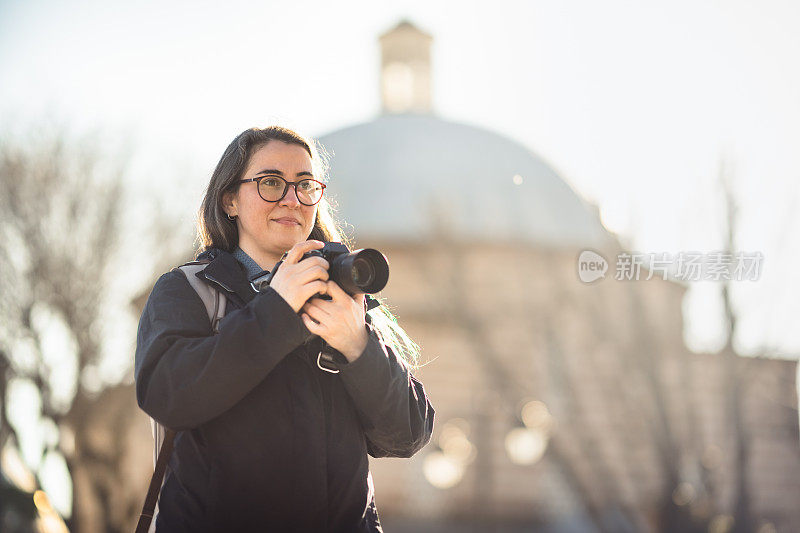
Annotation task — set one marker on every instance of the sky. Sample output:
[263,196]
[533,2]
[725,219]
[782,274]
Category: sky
[636,104]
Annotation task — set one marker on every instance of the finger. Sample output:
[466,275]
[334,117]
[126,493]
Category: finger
[311,274]
[336,292]
[358,299]
[315,287]
[317,312]
[296,252]
[299,249]
[314,320]
[310,262]
[323,303]
[312,326]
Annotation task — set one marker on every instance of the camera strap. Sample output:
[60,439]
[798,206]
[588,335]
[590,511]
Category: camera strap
[371,302]
[329,359]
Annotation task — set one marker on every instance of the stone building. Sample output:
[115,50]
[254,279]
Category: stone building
[560,404]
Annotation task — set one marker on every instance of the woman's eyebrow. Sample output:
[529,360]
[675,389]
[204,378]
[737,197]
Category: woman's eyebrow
[280,173]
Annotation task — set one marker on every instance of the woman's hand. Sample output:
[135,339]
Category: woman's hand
[297,281]
[339,321]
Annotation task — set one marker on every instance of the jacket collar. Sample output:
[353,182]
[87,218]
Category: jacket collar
[227,273]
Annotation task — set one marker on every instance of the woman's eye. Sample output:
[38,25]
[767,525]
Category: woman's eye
[307,186]
[270,182]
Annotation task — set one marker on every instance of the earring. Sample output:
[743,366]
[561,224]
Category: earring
[231,218]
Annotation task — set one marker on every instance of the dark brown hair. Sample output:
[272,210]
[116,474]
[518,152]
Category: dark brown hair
[214,229]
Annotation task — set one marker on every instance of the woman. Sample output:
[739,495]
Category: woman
[267,440]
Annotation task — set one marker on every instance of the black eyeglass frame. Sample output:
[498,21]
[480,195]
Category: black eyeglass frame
[286,185]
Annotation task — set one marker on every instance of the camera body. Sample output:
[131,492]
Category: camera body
[328,252]
[365,270]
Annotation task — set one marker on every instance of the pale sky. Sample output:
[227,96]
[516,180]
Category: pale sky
[634,103]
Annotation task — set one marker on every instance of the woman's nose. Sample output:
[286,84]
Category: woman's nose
[290,198]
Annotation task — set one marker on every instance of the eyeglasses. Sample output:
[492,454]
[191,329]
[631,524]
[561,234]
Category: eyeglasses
[274,189]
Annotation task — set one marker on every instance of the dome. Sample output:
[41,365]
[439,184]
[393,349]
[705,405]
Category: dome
[410,177]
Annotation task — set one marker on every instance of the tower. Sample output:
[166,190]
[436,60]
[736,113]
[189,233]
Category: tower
[405,70]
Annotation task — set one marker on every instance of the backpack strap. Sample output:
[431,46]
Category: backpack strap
[215,302]
[153,491]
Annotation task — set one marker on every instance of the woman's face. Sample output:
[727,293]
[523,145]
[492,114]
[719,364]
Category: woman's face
[268,229]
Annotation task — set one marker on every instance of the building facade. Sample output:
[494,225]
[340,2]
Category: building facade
[560,404]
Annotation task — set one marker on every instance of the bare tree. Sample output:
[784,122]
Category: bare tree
[644,355]
[569,441]
[61,212]
[743,516]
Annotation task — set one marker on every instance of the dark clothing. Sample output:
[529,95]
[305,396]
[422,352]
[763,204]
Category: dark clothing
[269,442]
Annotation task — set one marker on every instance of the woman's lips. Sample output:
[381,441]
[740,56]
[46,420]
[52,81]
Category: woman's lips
[285,221]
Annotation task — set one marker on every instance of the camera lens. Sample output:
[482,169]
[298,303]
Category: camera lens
[362,272]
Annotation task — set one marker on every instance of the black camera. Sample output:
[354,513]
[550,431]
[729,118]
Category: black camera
[365,270]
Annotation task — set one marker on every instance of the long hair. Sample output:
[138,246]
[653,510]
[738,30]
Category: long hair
[215,230]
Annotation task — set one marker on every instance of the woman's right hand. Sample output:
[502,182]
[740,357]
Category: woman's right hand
[297,281]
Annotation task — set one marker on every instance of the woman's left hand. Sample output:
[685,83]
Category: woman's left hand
[339,321]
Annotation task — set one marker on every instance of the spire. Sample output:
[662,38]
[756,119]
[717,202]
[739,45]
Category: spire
[406,69]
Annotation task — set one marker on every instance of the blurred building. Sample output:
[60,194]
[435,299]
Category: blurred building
[560,405]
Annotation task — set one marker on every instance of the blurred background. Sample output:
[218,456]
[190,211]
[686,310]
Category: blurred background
[481,147]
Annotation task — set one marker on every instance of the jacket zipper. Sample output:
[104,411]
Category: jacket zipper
[218,282]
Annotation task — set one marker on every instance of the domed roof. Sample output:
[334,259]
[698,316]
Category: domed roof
[410,177]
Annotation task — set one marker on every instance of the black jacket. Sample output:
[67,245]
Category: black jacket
[270,442]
